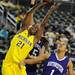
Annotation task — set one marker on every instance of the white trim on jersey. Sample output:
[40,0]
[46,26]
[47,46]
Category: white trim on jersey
[60,59]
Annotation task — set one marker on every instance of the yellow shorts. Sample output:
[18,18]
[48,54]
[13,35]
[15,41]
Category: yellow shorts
[13,69]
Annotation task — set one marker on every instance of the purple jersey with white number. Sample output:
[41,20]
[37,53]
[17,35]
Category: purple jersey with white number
[54,66]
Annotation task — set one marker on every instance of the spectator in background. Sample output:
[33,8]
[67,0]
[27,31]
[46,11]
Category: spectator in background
[51,37]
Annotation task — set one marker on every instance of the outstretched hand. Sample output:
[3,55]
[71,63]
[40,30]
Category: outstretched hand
[21,63]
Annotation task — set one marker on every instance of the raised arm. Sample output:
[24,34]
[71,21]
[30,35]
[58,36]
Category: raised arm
[36,7]
[28,19]
[50,11]
[44,21]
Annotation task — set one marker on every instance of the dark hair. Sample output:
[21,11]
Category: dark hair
[44,42]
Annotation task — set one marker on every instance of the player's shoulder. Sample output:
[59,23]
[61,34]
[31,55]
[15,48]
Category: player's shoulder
[25,32]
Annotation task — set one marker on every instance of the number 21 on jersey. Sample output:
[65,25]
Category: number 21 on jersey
[20,44]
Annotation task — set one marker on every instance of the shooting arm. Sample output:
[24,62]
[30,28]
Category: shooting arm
[36,7]
[50,11]
[42,24]
[28,19]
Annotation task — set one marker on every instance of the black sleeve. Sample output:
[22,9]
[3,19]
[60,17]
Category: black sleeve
[35,50]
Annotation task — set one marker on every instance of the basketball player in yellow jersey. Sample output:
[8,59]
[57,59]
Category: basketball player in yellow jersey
[21,45]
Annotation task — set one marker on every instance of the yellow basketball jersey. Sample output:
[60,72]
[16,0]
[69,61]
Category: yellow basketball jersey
[20,46]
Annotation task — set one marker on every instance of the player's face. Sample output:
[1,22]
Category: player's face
[33,30]
[62,45]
